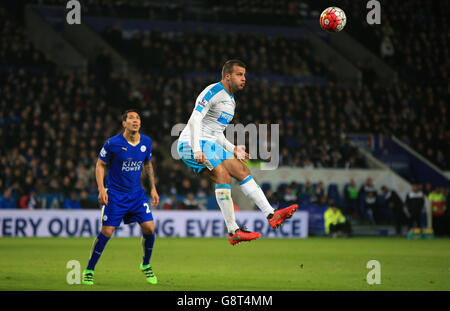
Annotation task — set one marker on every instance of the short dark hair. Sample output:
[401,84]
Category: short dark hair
[228,66]
[125,113]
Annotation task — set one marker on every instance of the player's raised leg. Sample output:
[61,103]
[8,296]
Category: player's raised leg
[222,179]
[96,251]
[253,191]
[148,240]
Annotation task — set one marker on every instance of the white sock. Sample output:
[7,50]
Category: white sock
[254,192]
[223,197]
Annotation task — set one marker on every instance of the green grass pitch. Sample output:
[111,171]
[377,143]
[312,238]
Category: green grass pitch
[205,264]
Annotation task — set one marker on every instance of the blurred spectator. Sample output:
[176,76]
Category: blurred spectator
[351,198]
[171,203]
[415,203]
[325,201]
[308,191]
[427,189]
[87,203]
[190,203]
[350,163]
[308,164]
[72,202]
[294,189]
[371,208]
[335,222]
[6,200]
[103,66]
[204,188]
[367,188]
[394,204]
[185,187]
[29,201]
[447,211]
[319,192]
[387,48]
[438,210]
[271,197]
[289,196]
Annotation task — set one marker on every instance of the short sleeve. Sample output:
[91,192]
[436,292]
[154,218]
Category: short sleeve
[105,153]
[202,105]
[204,102]
[148,157]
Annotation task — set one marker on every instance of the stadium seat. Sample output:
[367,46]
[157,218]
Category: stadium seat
[266,186]
[333,193]
[305,199]
[333,188]
[281,187]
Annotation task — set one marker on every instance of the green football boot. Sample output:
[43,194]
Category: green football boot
[88,277]
[147,270]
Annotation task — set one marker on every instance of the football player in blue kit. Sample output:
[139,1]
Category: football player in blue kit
[122,197]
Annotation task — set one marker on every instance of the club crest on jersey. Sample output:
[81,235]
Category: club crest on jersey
[103,153]
[143,148]
[225,118]
[202,103]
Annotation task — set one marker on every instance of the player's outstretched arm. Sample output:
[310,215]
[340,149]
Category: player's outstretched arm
[100,172]
[225,143]
[238,151]
[194,124]
[148,167]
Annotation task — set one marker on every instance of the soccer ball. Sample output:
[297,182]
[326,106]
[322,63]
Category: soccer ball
[333,19]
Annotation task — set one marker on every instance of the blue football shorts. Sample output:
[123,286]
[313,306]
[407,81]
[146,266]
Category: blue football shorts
[129,207]
[214,153]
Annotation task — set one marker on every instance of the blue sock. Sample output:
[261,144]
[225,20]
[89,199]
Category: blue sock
[97,249]
[147,246]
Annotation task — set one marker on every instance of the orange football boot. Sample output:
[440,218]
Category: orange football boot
[279,216]
[242,235]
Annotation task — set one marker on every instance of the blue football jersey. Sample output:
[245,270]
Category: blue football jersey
[126,162]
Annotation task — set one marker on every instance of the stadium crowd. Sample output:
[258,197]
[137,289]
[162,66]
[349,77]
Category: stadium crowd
[368,204]
[54,124]
[413,114]
[144,9]
[422,64]
[16,50]
[273,12]
[201,51]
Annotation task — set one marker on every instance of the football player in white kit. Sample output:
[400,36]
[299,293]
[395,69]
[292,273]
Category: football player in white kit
[203,147]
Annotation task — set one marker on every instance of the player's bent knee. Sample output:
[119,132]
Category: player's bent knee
[245,171]
[108,231]
[237,169]
[148,231]
[220,175]
[148,227]
[224,178]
